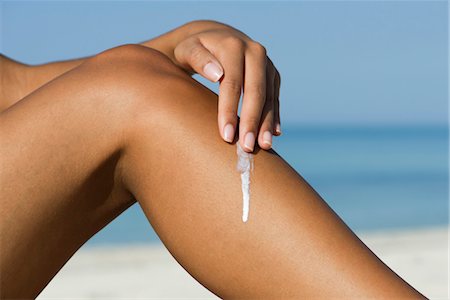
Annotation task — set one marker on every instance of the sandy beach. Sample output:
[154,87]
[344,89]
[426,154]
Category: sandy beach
[148,271]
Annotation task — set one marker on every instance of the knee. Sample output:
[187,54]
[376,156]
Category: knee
[134,76]
[133,60]
[147,92]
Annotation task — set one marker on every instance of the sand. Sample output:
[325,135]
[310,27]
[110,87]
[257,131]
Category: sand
[148,271]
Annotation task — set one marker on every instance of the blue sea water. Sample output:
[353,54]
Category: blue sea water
[374,178]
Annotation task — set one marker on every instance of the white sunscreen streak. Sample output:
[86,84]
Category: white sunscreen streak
[244,166]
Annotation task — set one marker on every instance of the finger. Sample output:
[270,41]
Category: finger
[230,90]
[277,120]
[193,55]
[275,91]
[267,119]
[254,95]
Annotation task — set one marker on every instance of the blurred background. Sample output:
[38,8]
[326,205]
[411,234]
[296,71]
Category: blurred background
[363,99]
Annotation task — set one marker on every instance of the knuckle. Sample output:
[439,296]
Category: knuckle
[196,54]
[257,48]
[228,112]
[233,86]
[234,43]
[250,122]
[256,92]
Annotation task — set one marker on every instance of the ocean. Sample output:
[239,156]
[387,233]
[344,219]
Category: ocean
[374,177]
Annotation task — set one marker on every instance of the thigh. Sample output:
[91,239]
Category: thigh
[61,150]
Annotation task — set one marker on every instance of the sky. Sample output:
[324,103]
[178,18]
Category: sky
[341,62]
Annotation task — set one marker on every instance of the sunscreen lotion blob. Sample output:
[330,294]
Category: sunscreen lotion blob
[244,166]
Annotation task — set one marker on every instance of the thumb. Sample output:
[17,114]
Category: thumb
[193,55]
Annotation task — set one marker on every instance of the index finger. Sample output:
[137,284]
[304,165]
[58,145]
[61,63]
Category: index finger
[230,92]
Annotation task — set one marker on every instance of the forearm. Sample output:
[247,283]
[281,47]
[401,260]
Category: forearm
[165,43]
[28,78]
[38,75]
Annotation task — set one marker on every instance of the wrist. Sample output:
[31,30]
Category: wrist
[167,42]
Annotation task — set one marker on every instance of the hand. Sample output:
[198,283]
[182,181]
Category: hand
[222,53]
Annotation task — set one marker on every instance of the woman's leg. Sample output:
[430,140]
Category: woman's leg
[60,178]
[129,124]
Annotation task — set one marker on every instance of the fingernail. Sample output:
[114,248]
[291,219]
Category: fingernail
[249,141]
[228,133]
[278,129]
[212,71]
[267,138]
